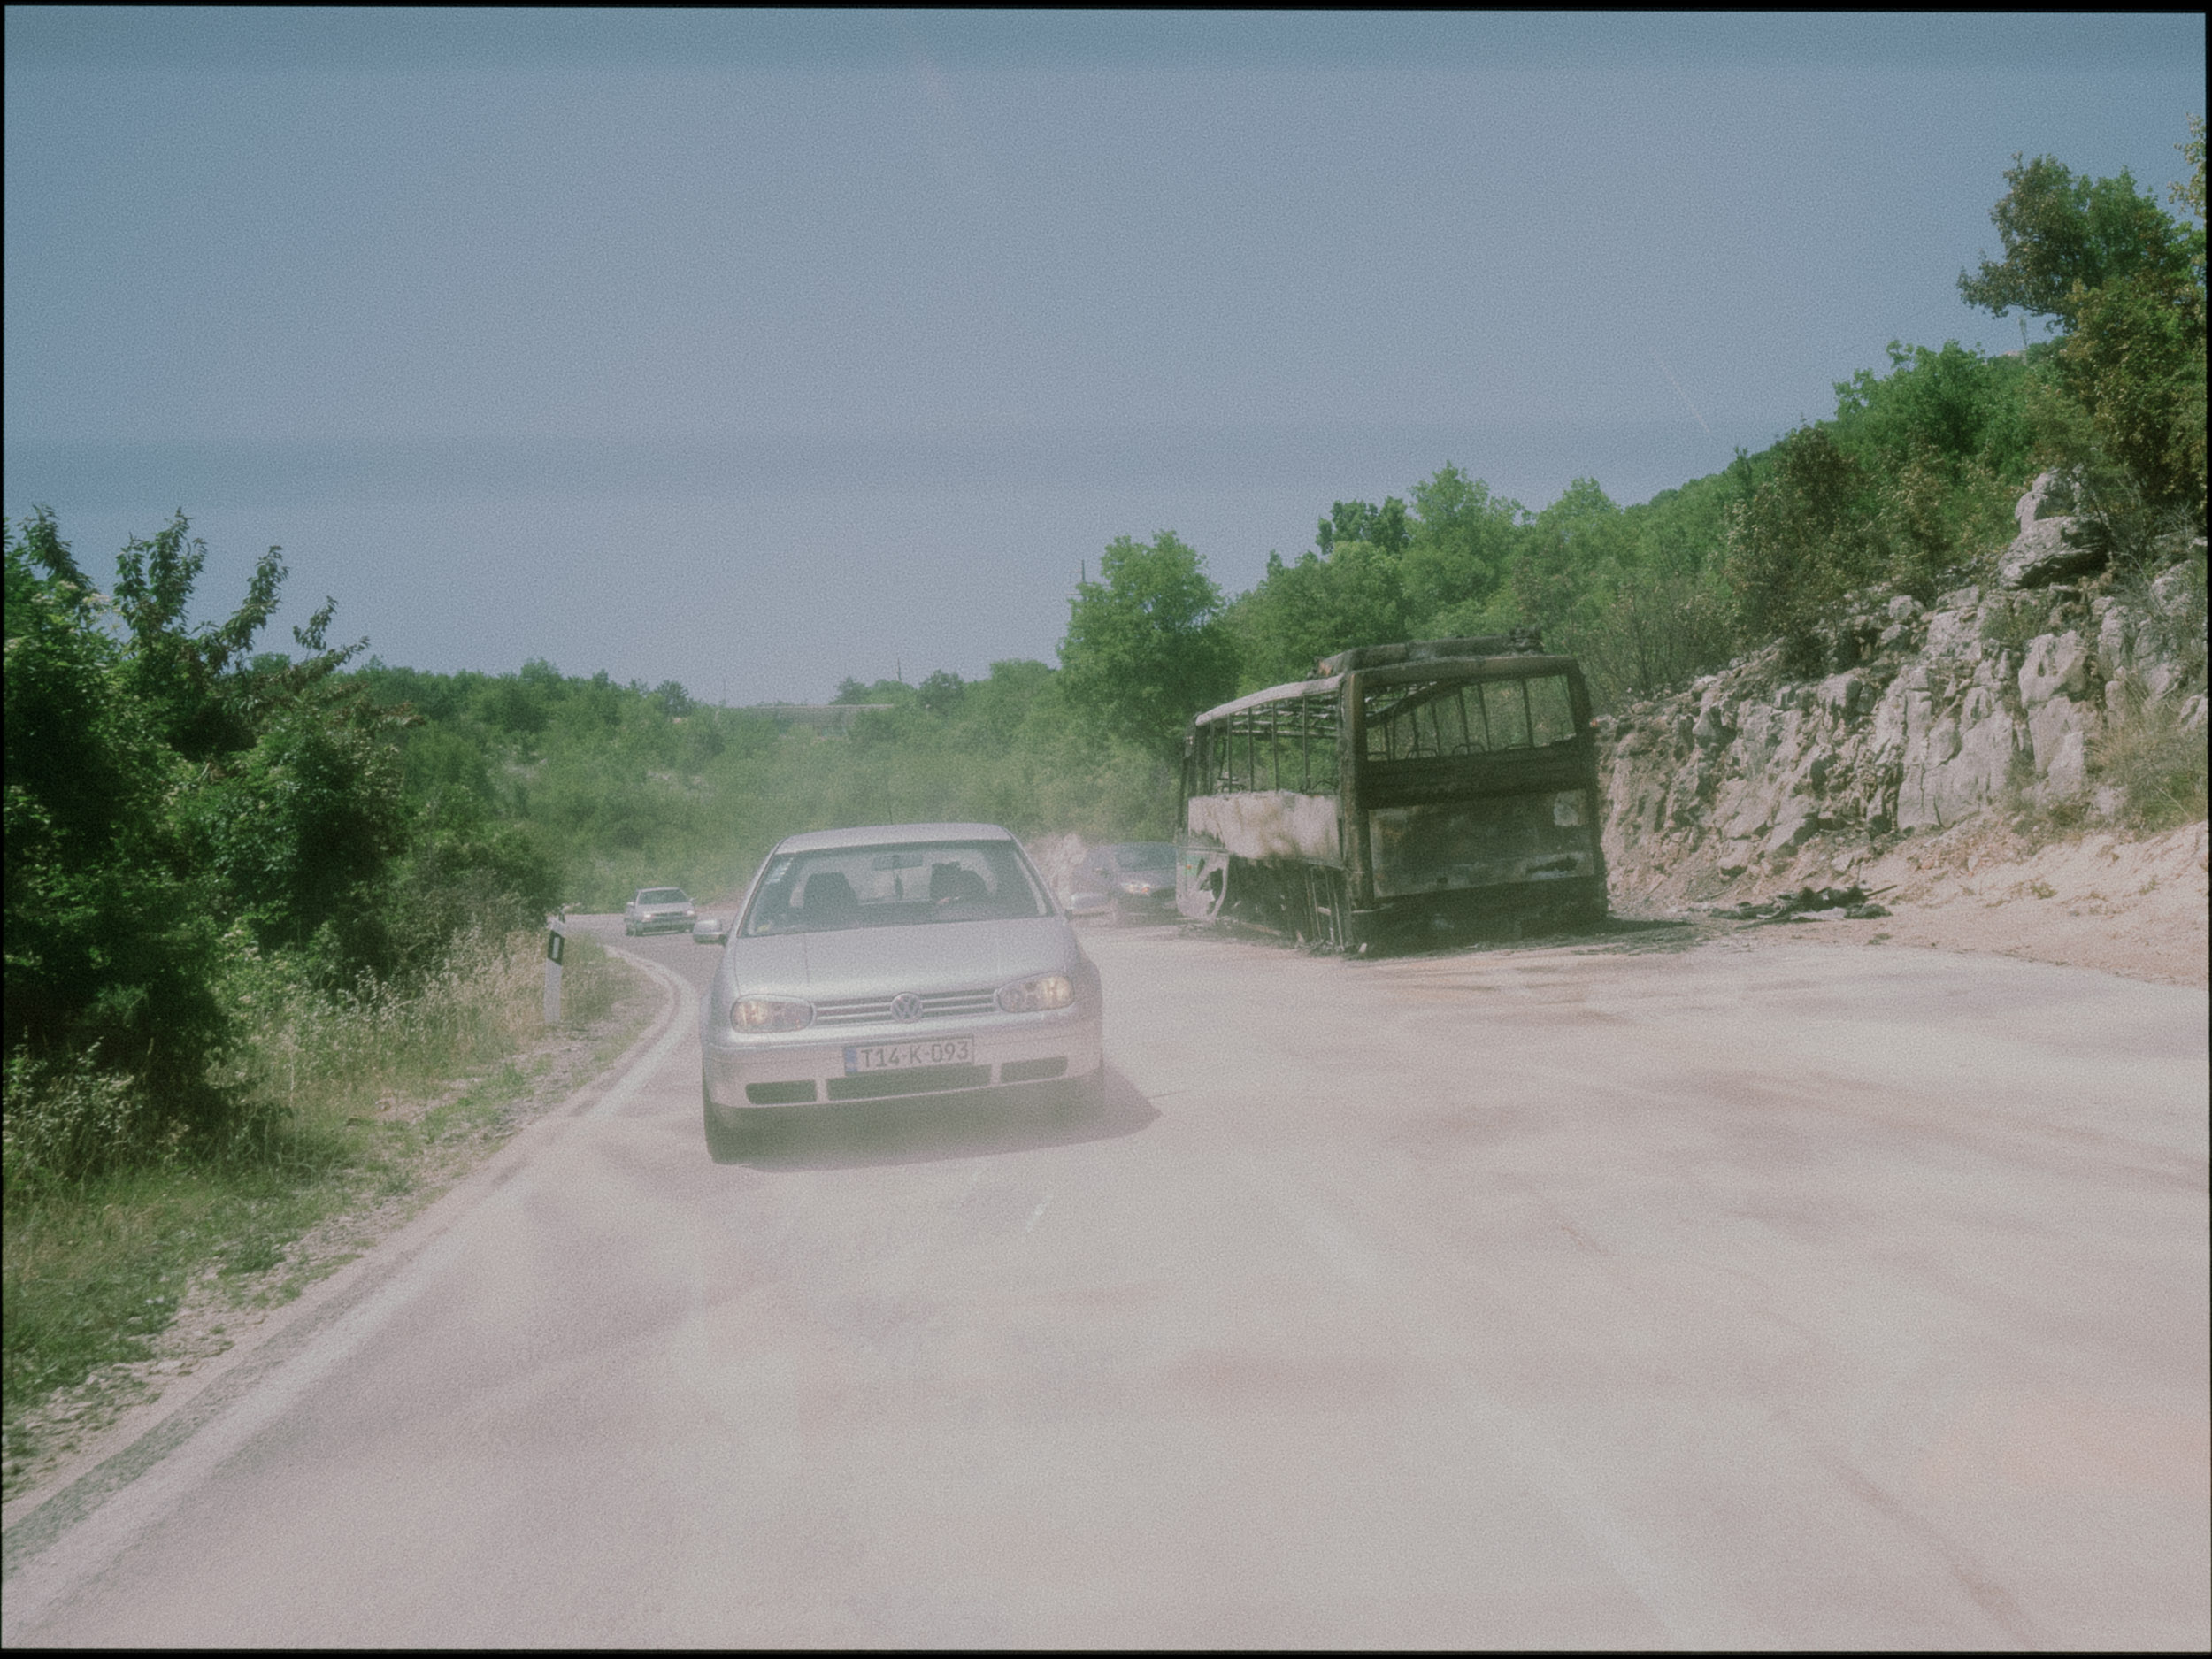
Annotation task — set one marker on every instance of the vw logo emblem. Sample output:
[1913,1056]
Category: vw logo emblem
[906,1006]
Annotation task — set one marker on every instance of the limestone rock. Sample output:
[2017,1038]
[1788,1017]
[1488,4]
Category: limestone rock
[1843,695]
[2056,664]
[1960,763]
[1886,742]
[1714,725]
[2029,507]
[1749,770]
[2043,553]
[2059,732]
[2171,590]
[1955,630]
[2115,635]
[1791,832]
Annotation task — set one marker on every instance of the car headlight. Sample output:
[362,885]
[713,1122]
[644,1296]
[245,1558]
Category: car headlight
[752,1014]
[1033,997]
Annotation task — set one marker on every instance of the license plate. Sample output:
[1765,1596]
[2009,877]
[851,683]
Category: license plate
[898,1056]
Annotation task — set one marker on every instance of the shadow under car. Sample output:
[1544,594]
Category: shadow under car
[926,1128]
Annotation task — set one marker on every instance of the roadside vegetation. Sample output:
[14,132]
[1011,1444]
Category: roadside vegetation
[230,935]
[252,893]
[374,1096]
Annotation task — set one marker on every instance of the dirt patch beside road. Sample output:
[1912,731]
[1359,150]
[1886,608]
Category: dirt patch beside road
[2134,908]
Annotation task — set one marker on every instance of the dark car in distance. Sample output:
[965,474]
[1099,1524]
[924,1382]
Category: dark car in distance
[1131,881]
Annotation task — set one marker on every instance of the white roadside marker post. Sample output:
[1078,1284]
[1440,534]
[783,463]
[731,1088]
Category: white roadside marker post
[555,938]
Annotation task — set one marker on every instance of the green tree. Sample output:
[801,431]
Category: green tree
[1799,543]
[166,783]
[1384,526]
[2066,237]
[1464,542]
[2126,283]
[1965,410]
[1289,619]
[184,677]
[1568,545]
[1146,645]
[302,832]
[941,693]
[113,951]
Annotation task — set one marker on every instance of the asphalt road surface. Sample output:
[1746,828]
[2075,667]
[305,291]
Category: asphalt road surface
[1605,1294]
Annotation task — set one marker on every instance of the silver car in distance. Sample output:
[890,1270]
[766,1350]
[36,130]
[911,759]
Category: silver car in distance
[899,961]
[658,910]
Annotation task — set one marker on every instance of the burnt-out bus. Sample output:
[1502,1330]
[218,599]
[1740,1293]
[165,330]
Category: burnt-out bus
[1438,784]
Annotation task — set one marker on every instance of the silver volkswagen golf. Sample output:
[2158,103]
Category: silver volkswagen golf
[903,960]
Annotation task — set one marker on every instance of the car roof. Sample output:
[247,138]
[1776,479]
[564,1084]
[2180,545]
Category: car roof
[891,835]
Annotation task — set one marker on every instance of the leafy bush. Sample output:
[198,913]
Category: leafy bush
[112,950]
[1798,545]
[174,798]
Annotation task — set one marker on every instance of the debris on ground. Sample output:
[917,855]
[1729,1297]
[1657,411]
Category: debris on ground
[1806,904]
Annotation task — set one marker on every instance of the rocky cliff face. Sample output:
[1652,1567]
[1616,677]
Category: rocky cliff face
[1992,700]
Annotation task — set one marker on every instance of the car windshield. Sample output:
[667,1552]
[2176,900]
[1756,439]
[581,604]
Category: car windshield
[1144,856]
[663,896]
[893,887]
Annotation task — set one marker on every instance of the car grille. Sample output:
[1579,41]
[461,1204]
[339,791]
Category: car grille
[874,1010]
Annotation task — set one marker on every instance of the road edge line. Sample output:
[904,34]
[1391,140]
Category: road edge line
[230,1384]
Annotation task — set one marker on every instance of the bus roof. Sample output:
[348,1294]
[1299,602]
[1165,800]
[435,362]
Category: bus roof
[1398,670]
[1519,643]
[1273,693]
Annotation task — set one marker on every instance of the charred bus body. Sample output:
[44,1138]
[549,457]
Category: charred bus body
[1440,782]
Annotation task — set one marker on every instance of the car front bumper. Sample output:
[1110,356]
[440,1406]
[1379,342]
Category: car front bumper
[819,1068]
[1159,902]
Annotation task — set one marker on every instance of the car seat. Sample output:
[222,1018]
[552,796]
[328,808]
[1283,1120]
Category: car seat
[955,884]
[828,901]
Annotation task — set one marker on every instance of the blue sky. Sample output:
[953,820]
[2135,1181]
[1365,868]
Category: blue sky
[756,350]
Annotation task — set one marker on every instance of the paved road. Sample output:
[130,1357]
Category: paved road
[1778,1295]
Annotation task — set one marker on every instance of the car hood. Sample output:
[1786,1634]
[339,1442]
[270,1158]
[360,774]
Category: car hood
[878,961]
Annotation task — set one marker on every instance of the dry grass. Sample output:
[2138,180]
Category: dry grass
[320,1060]
[2155,761]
